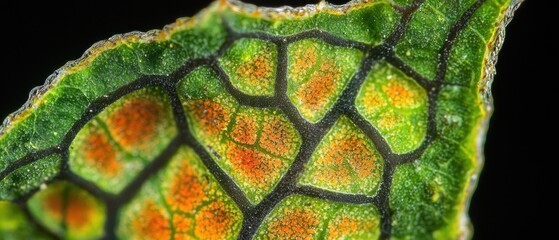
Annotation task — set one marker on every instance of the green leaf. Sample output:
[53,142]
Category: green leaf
[357,121]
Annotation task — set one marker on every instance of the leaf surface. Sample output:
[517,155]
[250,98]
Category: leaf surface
[363,120]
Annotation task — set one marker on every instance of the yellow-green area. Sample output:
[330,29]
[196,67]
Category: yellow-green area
[345,161]
[317,75]
[184,201]
[251,65]
[113,147]
[396,105]
[15,225]
[254,146]
[68,211]
[299,217]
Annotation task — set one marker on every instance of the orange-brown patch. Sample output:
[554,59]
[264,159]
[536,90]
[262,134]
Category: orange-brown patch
[182,236]
[212,115]
[277,136]
[150,223]
[359,156]
[54,204]
[257,70]
[352,149]
[76,209]
[79,210]
[294,224]
[400,95]
[373,100]
[136,121]
[389,120]
[321,86]
[244,130]
[214,221]
[305,58]
[187,191]
[181,223]
[337,176]
[346,225]
[100,154]
[257,167]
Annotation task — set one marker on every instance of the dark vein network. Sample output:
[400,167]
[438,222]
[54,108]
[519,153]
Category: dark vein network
[311,133]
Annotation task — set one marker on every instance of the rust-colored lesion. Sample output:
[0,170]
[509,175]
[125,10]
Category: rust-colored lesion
[151,223]
[372,99]
[100,154]
[400,95]
[54,204]
[347,225]
[342,227]
[79,211]
[212,115]
[352,149]
[278,136]
[187,190]
[322,84]
[389,120]
[294,224]
[305,58]
[258,70]
[257,167]
[70,207]
[136,121]
[182,224]
[214,221]
[179,236]
[361,158]
[245,129]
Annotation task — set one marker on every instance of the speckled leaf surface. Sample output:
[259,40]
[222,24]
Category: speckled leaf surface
[359,121]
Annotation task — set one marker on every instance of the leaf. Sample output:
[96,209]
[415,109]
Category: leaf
[363,120]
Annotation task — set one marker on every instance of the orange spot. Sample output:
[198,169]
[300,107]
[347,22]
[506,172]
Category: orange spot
[294,224]
[212,115]
[400,95]
[305,59]
[277,136]
[320,87]
[372,100]
[214,221]
[346,225]
[359,156]
[136,121]
[389,120]
[187,192]
[79,210]
[76,209]
[181,223]
[257,70]
[100,154]
[54,204]
[150,223]
[257,167]
[244,130]
[182,236]
[350,148]
[336,176]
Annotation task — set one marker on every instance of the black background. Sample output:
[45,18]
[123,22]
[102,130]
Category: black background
[510,199]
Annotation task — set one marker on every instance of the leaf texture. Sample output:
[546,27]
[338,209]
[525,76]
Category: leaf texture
[358,121]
